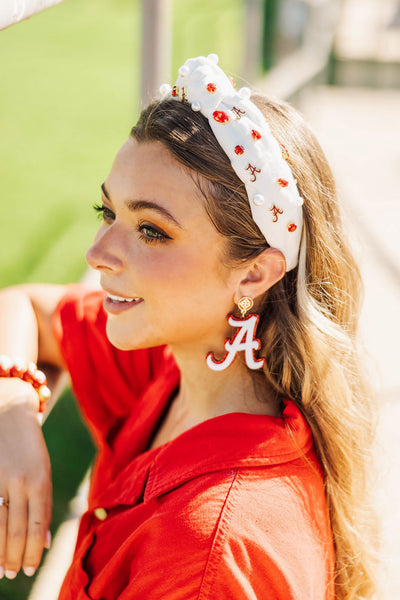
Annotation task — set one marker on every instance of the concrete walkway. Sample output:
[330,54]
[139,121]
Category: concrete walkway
[359,130]
[367,30]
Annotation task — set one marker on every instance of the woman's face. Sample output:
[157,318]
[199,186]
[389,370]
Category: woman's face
[158,249]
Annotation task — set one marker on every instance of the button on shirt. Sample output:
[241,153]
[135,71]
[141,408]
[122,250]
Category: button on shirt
[233,508]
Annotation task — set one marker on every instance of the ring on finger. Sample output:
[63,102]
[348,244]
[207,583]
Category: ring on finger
[4,502]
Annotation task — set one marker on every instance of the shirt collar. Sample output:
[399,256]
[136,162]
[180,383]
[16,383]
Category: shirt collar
[229,441]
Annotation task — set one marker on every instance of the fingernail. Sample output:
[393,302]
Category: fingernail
[11,574]
[1,572]
[48,540]
[29,571]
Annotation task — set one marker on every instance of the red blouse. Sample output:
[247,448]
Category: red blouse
[233,508]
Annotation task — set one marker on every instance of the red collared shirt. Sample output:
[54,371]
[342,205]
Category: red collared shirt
[233,508]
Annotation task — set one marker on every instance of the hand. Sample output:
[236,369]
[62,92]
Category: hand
[25,480]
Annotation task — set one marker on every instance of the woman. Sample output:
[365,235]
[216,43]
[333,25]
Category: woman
[232,446]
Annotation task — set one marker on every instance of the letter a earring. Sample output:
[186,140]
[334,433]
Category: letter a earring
[244,339]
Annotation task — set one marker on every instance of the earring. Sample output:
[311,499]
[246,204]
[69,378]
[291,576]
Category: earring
[244,339]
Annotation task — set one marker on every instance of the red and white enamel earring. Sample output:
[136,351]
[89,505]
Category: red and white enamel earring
[244,339]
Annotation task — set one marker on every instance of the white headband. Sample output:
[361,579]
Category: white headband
[256,157]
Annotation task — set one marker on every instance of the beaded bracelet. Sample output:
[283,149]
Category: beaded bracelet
[29,373]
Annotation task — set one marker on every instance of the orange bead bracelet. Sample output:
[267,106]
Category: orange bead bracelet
[27,372]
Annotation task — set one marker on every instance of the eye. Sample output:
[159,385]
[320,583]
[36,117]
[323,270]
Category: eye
[150,234]
[104,212]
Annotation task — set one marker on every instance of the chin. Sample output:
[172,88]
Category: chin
[122,345]
[122,339]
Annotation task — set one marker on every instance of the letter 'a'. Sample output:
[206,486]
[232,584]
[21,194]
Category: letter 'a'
[243,340]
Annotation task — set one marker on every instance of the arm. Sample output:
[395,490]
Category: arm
[26,314]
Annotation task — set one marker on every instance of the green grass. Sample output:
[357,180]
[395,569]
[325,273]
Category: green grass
[69,82]
[69,94]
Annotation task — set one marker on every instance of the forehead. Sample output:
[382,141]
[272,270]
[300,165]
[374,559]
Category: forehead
[148,170]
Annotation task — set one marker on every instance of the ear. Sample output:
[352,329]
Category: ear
[264,271]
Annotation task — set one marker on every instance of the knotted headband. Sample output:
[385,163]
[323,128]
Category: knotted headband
[256,156]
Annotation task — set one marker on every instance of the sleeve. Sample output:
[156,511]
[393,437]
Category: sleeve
[107,382]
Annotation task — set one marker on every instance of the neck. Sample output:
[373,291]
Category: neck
[205,393]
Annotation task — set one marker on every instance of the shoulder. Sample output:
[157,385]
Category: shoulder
[273,538]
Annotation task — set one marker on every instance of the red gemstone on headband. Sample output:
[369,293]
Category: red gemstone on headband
[239,150]
[175,90]
[283,183]
[256,134]
[291,227]
[220,116]
[211,87]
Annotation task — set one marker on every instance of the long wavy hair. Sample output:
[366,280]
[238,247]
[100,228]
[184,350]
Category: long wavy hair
[308,320]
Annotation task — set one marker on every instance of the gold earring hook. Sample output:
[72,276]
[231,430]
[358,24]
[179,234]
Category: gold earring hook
[245,304]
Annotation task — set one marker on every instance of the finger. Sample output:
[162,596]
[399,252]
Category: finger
[3,535]
[38,526]
[16,529]
[48,540]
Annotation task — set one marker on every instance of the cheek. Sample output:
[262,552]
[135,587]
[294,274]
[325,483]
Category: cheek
[190,289]
[171,269]
[187,274]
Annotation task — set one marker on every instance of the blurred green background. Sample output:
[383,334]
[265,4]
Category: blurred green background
[69,95]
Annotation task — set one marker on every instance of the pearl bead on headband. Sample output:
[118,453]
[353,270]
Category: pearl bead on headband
[256,156]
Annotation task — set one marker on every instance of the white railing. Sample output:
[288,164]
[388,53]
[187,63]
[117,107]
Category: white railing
[14,11]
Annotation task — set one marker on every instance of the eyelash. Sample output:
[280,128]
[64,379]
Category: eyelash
[103,212]
[108,216]
[151,239]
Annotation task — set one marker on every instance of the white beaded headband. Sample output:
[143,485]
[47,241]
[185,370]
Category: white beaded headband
[256,156]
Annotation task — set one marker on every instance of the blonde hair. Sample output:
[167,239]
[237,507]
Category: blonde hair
[308,320]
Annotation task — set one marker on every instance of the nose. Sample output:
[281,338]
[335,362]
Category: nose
[102,256]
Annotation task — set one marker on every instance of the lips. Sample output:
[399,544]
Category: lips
[115,304]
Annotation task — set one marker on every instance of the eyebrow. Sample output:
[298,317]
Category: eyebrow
[136,205]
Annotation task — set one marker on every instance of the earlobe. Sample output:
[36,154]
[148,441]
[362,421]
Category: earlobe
[267,269]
